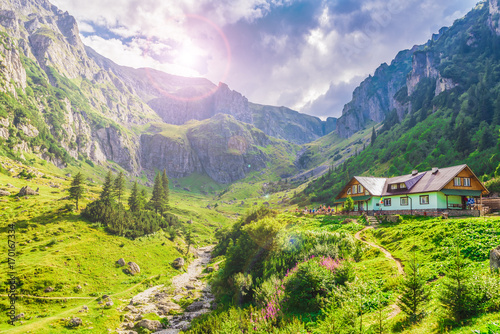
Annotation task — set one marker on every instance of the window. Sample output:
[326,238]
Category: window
[404,201]
[402,185]
[354,189]
[394,186]
[466,181]
[360,189]
[349,191]
[387,202]
[457,182]
[367,193]
[424,199]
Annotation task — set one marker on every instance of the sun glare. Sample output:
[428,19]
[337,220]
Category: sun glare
[189,56]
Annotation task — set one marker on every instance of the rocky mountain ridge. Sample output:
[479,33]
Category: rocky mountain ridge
[83,106]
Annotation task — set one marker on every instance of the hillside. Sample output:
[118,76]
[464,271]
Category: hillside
[65,103]
[451,110]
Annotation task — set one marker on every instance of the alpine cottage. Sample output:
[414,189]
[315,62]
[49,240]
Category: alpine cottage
[452,190]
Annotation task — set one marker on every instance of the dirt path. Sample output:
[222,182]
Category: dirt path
[382,249]
[395,308]
[165,300]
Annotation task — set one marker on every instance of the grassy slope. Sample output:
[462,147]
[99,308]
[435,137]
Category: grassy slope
[57,248]
[431,238]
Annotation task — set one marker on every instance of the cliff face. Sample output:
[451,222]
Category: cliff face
[178,100]
[375,97]
[94,109]
[223,148]
[287,124]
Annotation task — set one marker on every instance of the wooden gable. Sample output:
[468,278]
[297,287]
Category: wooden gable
[348,190]
[475,184]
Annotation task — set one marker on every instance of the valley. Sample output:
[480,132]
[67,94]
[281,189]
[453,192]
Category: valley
[144,202]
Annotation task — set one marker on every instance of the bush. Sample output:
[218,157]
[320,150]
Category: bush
[307,288]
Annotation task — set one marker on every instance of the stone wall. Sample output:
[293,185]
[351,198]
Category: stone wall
[431,213]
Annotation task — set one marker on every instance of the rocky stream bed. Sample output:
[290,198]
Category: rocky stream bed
[164,301]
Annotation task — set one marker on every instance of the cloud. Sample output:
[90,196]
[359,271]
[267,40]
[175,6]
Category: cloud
[304,54]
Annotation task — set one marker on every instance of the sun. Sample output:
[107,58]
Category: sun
[189,55]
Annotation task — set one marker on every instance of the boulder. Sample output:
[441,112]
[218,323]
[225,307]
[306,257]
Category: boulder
[4,193]
[133,268]
[196,306]
[495,259]
[121,262]
[152,325]
[178,263]
[48,289]
[75,322]
[27,191]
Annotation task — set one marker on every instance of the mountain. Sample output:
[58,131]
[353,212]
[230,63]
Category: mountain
[64,102]
[445,112]
[178,100]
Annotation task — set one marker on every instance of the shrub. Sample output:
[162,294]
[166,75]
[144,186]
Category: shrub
[306,289]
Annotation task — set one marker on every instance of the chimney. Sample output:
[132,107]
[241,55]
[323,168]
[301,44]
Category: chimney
[435,170]
[414,172]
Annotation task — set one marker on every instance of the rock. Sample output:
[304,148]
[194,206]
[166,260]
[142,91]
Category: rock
[68,175]
[48,289]
[190,287]
[152,325]
[121,262]
[79,287]
[10,185]
[27,191]
[109,304]
[495,259]
[133,268]
[210,269]
[178,263]
[75,322]
[105,296]
[85,307]
[196,306]
[19,316]
[4,193]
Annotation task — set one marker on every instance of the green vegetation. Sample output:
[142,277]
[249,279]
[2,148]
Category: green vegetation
[297,277]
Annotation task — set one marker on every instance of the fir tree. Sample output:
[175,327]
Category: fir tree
[77,188]
[413,291]
[455,296]
[134,201]
[143,199]
[463,140]
[119,185]
[158,195]
[107,189]
[374,136]
[164,182]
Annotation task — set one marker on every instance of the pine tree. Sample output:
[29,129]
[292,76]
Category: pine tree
[107,189]
[164,182]
[77,188]
[158,195]
[454,297]
[463,140]
[413,291]
[374,136]
[134,199]
[119,186]
[143,199]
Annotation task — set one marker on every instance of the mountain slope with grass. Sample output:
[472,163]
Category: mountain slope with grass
[452,110]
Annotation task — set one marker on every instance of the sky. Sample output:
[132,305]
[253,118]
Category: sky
[307,55]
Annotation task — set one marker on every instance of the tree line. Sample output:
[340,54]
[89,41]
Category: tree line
[146,214]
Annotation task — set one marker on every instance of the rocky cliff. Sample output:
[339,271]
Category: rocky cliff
[222,147]
[384,92]
[62,101]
